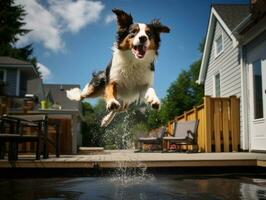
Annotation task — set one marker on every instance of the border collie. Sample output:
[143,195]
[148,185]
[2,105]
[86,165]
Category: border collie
[129,76]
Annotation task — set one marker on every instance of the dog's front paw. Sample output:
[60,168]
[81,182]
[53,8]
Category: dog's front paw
[155,103]
[152,99]
[112,104]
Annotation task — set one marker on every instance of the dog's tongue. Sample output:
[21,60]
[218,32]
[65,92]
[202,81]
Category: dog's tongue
[140,51]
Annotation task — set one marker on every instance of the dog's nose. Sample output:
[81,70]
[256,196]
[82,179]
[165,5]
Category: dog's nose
[142,39]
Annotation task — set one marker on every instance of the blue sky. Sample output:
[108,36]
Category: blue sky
[73,39]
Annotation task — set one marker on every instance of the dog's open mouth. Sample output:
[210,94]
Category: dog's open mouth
[139,51]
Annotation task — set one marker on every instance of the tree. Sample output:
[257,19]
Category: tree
[11,28]
[184,93]
[92,133]
[155,118]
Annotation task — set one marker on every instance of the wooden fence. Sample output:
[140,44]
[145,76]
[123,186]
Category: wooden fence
[219,124]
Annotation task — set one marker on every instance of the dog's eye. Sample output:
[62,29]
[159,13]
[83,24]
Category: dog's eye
[133,33]
[148,33]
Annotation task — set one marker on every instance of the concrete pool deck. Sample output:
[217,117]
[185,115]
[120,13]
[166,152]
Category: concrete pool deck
[128,158]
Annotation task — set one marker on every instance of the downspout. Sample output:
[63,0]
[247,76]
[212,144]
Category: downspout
[242,24]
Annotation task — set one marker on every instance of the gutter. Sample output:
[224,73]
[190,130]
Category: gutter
[246,21]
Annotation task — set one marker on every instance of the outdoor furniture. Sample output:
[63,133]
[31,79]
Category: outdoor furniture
[12,133]
[155,137]
[185,133]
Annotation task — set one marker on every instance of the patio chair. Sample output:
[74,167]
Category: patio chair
[12,133]
[185,133]
[155,137]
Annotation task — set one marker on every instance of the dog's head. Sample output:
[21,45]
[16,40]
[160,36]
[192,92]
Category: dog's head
[138,37]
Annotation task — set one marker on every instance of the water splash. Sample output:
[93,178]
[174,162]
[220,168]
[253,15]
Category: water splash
[131,171]
[118,134]
[127,176]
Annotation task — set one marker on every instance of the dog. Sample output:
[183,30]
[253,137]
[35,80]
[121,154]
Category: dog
[128,78]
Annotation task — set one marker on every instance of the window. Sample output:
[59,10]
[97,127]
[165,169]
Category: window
[217,85]
[257,84]
[2,75]
[219,46]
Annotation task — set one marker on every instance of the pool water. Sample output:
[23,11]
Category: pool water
[134,187]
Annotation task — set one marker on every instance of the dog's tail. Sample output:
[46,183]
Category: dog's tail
[74,94]
[108,118]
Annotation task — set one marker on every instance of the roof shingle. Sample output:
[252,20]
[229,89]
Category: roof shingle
[5,60]
[58,92]
[232,14]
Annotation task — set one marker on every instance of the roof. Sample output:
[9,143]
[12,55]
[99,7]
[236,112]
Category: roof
[257,13]
[9,62]
[5,60]
[229,16]
[232,14]
[35,86]
[58,92]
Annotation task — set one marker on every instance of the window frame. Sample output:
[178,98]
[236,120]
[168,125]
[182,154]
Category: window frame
[4,74]
[256,115]
[216,44]
[214,84]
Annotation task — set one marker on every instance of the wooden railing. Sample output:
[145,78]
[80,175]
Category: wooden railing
[219,124]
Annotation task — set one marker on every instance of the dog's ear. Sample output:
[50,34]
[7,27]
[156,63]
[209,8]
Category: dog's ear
[156,24]
[124,20]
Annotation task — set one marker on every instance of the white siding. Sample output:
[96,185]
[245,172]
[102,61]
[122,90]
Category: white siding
[228,65]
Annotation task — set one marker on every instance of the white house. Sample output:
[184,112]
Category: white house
[234,63]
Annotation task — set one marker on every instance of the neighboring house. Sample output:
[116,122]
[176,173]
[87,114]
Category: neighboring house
[15,73]
[234,63]
[21,79]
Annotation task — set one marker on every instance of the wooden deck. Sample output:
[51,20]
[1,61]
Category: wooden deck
[114,159]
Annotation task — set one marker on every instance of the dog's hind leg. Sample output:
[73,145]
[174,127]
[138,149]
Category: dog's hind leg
[108,118]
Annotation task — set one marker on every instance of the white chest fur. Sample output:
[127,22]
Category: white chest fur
[133,76]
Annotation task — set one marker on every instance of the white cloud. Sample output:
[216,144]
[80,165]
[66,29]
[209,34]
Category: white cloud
[110,18]
[44,26]
[45,71]
[76,14]
[49,23]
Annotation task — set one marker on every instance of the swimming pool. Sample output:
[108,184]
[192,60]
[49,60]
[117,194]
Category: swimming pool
[146,186]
